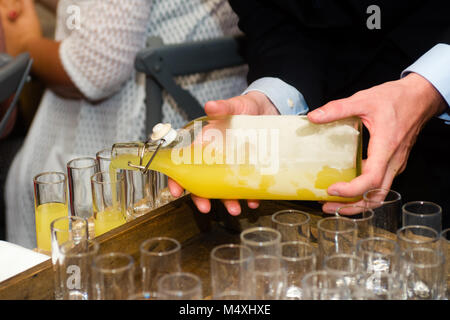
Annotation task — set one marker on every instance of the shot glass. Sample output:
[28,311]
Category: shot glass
[385,285]
[297,259]
[79,173]
[422,213]
[74,273]
[50,203]
[68,228]
[386,205]
[159,256]
[445,247]
[269,278]
[262,240]
[109,201]
[378,254]
[113,276]
[104,159]
[292,224]
[349,267]
[423,269]
[180,286]
[163,195]
[336,235]
[324,285]
[142,192]
[417,237]
[362,216]
[232,269]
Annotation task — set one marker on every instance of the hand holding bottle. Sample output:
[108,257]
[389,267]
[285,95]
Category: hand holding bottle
[252,103]
[394,113]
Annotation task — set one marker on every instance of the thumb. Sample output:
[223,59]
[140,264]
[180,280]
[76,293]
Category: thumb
[336,110]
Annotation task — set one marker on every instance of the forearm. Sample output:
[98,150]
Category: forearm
[49,4]
[48,68]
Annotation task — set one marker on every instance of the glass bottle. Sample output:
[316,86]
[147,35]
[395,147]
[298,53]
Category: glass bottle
[251,157]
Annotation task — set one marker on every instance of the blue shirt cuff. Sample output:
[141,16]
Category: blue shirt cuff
[287,99]
[434,66]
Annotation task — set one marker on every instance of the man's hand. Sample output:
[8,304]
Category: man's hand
[25,27]
[394,113]
[252,103]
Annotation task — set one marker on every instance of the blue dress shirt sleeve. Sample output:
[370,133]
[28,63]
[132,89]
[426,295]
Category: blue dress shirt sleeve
[287,99]
[434,66]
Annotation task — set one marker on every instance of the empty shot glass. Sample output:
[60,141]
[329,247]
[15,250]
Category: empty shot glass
[417,237]
[386,205]
[142,192]
[180,286]
[292,224]
[423,269]
[113,276]
[422,213]
[79,173]
[378,254]
[336,235]
[385,285]
[159,256]
[74,269]
[232,269]
[262,240]
[104,159]
[64,229]
[324,285]
[269,278]
[349,266]
[297,259]
[362,216]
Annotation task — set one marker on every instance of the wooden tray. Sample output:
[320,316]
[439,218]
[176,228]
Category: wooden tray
[198,233]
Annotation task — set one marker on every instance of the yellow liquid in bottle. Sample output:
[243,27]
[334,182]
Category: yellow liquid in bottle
[45,214]
[304,181]
[107,220]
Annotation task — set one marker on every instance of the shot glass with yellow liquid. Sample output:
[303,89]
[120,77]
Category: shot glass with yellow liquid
[50,203]
[109,200]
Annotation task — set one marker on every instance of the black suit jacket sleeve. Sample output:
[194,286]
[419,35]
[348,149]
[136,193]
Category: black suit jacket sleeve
[276,47]
[326,52]
[423,28]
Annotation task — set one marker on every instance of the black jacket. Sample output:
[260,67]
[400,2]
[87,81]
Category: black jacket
[324,47]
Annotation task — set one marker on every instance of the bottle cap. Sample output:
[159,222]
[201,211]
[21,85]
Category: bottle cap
[163,131]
